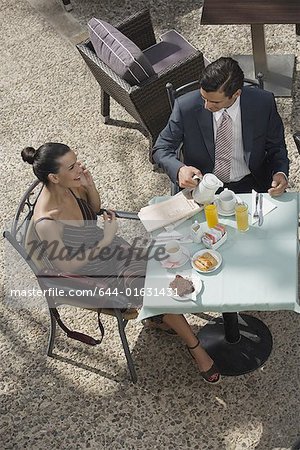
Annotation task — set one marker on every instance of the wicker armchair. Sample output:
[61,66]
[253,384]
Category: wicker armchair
[147,103]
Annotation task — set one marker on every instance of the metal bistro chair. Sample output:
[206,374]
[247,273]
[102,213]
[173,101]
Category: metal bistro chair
[20,234]
[146,102]
[296,137]
[173,94]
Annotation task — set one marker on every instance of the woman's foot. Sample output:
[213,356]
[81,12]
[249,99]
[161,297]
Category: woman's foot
[208,370]
[148,323]
[212,375]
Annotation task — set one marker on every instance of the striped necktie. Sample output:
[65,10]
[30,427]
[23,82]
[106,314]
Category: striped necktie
[223,148]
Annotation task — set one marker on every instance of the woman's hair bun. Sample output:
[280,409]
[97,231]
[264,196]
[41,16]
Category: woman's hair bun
[28,154]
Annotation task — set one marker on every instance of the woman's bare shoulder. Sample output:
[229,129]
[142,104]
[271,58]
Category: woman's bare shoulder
[44,212]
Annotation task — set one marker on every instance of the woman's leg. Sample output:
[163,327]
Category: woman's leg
[179,324]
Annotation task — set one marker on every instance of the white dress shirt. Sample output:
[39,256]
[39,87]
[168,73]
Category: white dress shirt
[238,168]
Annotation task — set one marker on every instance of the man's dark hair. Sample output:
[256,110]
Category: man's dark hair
[224,74]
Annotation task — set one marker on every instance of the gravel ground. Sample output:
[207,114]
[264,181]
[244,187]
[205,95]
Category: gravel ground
[82,398]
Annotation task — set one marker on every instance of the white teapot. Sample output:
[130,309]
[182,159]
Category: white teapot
[206,189]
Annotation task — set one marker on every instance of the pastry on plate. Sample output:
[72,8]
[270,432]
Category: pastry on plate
[205,262]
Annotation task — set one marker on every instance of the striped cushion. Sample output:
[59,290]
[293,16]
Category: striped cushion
[119,53]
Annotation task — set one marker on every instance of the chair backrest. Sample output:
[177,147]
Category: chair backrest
[194,85]
[23,238]
[296,137]
[175,93]
[21,229]
[259,82]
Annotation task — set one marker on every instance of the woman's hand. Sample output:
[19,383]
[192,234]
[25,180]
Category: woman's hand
[110,226]
[89,190]
[85,177]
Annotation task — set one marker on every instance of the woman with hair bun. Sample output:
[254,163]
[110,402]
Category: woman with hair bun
[65,220]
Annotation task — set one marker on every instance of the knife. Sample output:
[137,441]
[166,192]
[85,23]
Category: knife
[260,212]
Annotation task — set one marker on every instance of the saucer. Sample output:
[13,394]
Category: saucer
[175,265]
[226,213]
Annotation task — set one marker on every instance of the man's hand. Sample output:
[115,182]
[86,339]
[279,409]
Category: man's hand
[185,176]
[279,185]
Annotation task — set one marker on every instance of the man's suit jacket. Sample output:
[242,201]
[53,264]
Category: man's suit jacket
[191,124]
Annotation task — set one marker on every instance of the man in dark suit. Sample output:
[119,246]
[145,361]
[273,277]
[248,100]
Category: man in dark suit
[249,152]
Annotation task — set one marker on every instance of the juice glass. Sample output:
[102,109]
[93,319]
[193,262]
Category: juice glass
[211,214]
[241,216]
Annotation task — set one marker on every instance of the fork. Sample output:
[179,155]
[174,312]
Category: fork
[255,214]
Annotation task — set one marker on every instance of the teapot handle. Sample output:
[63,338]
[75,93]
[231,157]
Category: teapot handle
[196,177]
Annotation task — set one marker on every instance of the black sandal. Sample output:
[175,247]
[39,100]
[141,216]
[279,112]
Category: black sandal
[212,375]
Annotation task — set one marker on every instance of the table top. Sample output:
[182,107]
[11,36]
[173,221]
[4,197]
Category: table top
[218,12]
[259,269]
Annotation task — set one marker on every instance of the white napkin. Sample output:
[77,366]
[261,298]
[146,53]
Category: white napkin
[164,237]
[268,205]
[173,225]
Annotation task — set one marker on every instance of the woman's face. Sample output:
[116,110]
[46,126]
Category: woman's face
[69,170]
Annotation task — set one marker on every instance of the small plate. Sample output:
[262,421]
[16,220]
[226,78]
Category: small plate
[215,254]
[175,265]
[196,280]
[226,213]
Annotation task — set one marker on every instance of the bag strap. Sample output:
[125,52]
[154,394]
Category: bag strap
[75,334]
[100,324]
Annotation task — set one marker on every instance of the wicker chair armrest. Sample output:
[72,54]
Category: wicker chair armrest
[100,70]
[139,29]
[196,56]
[155,94]
[104,75]
[177,72]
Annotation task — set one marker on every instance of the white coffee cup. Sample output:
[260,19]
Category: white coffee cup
[227,200]
[174,251]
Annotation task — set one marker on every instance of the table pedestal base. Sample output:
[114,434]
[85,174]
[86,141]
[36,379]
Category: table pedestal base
[250,352]
[279,75]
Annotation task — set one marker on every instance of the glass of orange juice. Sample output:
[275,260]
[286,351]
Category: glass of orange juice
[241,216]
[211,214]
